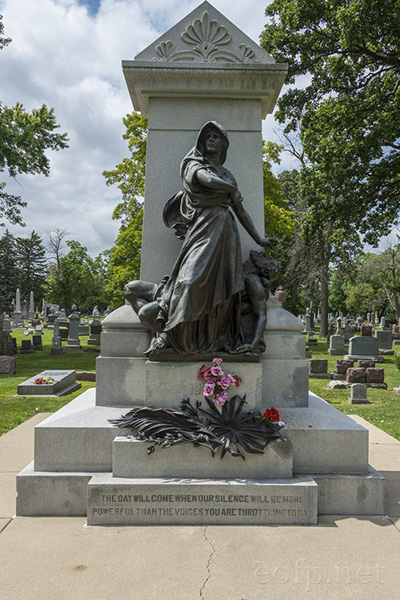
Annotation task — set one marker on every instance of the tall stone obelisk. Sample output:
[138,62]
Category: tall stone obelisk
[17,312]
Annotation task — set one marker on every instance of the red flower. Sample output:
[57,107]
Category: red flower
[271,414]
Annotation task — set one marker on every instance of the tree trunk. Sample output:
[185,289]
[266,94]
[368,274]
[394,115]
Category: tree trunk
[325,255]
[323,332]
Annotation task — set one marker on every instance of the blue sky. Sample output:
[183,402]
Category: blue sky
[92,6]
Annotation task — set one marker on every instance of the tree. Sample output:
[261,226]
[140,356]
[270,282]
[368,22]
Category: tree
[24,139]
[9,279]
[280,221]
[348,116]
[31,264]
[56,246]
[346,119]
[129,176]
[79,280]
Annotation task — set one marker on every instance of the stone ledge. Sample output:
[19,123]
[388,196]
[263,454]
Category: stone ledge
[131,460]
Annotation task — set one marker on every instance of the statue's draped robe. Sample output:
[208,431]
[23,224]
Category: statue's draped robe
[200,306]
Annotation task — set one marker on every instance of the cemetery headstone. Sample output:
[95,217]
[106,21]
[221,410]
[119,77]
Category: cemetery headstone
[84,328]
[341,367]
[17,313]
[56,345]
[31,313]
[336,345]
[366,363]
[49,383]
[356,375]
[95,329]
[6,324]
[364,347]
[385,341]
[358,394]
[37,342]
[338,326]
[307,326]
[375,375]
[8,365]
[51,318]
[26,347]
[366,330]
[318,369]
[73,338]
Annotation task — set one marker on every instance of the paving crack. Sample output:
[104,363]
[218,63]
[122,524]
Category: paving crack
[208,567]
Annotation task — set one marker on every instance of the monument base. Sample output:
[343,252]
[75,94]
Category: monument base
[119,501]
[363,357]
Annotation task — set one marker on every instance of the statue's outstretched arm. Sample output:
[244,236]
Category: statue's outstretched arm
[245,219]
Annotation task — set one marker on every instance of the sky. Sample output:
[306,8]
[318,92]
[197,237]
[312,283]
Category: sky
[67,54]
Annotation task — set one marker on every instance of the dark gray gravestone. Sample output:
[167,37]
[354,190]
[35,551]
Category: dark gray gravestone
[384,339]
[7,365]
[37,342]
[26,347]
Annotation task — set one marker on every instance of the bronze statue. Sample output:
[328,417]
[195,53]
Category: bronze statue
[197,309]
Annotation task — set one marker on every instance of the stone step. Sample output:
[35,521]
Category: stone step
[120,501]
[44,494]
[342,494]
[65,494]
[130,459]
[79,438]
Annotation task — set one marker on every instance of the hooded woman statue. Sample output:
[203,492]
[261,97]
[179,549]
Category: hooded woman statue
[199,309]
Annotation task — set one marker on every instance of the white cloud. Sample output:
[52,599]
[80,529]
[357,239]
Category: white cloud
[64,57]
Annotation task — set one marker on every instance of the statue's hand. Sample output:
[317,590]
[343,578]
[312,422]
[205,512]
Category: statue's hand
[267,242]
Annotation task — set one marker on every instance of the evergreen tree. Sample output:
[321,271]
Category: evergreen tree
[9,278]
[31,264]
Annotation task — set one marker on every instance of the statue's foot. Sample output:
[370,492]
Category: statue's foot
[157,343]
[243,349]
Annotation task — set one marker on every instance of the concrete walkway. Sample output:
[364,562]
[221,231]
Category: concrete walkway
[62,559]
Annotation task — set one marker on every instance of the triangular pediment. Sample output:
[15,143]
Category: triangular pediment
[205,36]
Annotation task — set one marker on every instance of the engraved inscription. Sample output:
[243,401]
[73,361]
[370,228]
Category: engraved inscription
[172,506]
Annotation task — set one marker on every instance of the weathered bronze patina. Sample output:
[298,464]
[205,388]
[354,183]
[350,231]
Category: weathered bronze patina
[197,308]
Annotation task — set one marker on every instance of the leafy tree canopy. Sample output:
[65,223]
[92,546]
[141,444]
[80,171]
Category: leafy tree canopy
[24,138]
[348,115]
[79,280]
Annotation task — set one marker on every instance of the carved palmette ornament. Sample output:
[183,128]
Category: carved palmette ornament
[205,36]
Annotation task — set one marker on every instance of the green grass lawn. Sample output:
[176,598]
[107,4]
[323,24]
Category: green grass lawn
[383,409]
[14,410]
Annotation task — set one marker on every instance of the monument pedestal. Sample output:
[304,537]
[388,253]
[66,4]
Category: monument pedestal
[79,452]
